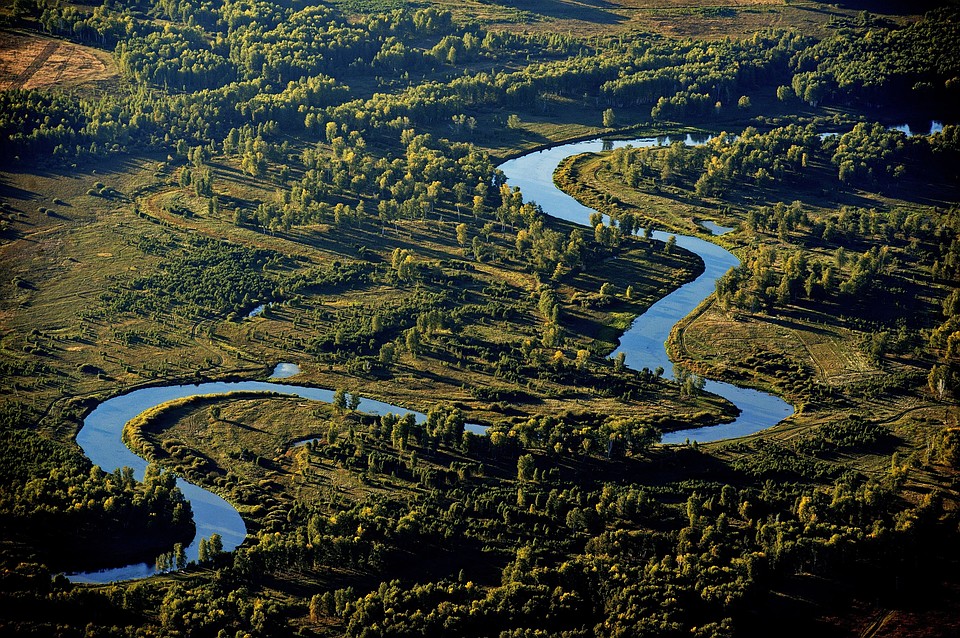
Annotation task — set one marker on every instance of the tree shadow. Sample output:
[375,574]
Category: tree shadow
[84,169]
[9,191]
[889,7]
[243,426]
[595,11]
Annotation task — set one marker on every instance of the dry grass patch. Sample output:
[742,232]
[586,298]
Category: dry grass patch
[93,244]
[832,351]
[255,440]
[719,338]
[704,19]
[38,62]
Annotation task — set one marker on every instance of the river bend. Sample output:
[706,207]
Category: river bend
[643,345]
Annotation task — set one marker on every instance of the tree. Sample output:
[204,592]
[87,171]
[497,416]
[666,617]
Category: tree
[582,357]
[401,432]
[340,400]
[23,8]
[215,545]
[743,103]
[318,607]
[548,305]
[479,249]
[609,118]
[690,384]
[209,549]
[620,362]
[330,131]
[937,380]
[525,468]
[694,509]
[876,345]
[179,556]
[462,235]
[387,353]
[513,121]
[414,342]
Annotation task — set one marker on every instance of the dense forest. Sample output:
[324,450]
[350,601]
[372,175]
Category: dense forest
[49,488]
[256,181]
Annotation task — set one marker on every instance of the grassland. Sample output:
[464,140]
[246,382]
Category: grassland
[82,246]
[703,19]
[66,344]
[814,357]
[29,61]
[75,238]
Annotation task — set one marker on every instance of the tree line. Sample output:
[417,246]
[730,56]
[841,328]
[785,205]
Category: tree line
[113,518]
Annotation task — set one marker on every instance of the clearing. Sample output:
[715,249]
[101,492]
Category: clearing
[36,62]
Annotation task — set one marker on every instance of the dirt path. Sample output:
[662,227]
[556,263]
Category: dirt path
[38,61]
[32,61]
[876,625]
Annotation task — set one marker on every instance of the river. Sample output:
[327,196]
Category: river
[643,345]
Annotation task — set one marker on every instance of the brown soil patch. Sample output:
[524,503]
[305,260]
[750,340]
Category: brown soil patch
[36,62]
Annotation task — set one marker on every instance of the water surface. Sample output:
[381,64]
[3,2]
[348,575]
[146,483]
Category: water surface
[643,343]
[100,439]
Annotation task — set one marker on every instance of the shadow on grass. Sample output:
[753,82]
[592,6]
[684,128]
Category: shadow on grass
[889,7]
[243,426]
[9,191]
[594,11]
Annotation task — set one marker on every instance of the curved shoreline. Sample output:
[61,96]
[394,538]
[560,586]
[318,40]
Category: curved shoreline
[643,343]
[100,440]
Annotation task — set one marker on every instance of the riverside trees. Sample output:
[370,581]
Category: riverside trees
[368,126]
[292,69]
[112,517]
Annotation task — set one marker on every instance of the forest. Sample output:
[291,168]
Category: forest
[215,187]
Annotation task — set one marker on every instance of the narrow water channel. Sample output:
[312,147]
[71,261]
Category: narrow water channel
[643,344]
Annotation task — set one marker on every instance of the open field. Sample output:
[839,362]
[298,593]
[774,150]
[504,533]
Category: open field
[238,445]
[831,352]
[85,248]
[30,61]
[815,357]
[706,19]
[279,182]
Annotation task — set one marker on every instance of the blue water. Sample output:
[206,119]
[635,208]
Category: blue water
[643,343]
[715,228]
[100,439]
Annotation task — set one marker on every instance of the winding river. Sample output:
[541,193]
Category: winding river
[643,345]
[643,342]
